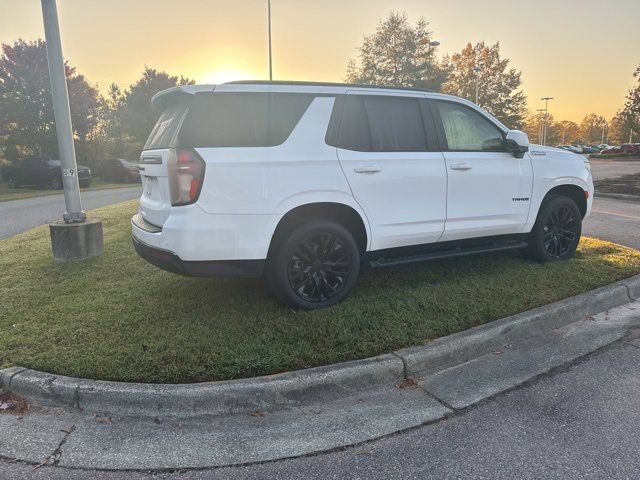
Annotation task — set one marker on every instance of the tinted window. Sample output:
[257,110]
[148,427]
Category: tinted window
[33,162]
[465,129]
[381,124]
[242,119]
[163,134]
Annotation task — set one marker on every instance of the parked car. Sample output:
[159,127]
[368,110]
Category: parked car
[570,148]
[611,150]
[630,148]
[41,172]
[603,146]
[120,170]
[590,149]
[304,184]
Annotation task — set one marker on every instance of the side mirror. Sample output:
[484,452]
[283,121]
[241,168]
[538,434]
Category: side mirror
[517,142]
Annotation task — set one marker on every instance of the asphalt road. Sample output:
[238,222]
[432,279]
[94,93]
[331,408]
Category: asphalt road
[614,220]
[19,215]
[579,422]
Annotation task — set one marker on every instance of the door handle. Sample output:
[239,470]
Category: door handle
[367,169]
[460,166]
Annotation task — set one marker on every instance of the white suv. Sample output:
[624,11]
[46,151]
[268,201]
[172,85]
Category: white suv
[305,183]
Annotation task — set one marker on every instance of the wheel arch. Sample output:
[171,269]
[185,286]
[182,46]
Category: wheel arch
[344,214]
[571,190]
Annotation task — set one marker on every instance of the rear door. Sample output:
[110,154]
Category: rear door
[488,189]
[386,151]
[155,202]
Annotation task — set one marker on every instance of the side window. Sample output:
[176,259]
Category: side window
[381,124]
[32,162]
[242,119]
[467,130]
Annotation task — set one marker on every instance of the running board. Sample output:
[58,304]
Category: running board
[456,252]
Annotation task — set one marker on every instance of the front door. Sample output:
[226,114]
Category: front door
[489,190]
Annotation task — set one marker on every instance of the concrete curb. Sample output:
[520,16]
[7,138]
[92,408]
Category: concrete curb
[309,386]
[619,196]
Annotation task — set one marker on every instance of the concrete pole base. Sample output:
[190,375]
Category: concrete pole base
[72,242]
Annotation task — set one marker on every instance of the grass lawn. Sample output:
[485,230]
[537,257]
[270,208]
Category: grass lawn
[7,193]
[118,318]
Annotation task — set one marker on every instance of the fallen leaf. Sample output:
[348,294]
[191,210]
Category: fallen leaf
[257,413]
[407,383]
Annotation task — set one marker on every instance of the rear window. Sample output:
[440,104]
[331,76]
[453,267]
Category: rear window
[242,119]
[164,132]
[381,124]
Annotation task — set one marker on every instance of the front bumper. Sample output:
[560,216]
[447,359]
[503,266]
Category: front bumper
[170,262]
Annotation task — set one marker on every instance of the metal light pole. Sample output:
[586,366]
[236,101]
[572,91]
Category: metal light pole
[603,127]
[74,238]
[546,118]
[541,127]
[477,71]
[62,114]
[269,21]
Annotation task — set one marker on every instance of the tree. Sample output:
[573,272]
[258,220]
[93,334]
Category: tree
[568,131]
[498,86]
[532,126]
[591,128]
[618,131]
[398,54]
[26,110]
[628,119]
[134,112]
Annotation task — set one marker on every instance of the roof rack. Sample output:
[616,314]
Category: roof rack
[325,84]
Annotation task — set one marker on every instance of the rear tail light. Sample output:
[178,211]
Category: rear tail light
[186,173]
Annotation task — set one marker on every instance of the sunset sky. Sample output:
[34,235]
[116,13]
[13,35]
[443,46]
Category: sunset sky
[582,52]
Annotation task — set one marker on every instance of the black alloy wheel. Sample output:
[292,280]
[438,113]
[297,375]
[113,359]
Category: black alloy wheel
[315,264]
[561,231]
[319,267]
[556,233]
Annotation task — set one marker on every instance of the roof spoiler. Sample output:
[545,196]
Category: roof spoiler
[173,95]
[170,96]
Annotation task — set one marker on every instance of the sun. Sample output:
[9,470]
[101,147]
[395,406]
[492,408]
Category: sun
[224,75]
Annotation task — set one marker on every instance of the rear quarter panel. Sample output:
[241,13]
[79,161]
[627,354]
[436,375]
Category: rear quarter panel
[274,180]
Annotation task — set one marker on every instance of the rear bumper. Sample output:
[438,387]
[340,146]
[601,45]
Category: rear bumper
[170,262]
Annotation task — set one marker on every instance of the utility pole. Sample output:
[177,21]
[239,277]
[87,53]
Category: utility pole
[603,127]
[62,114]
[74,238]
[546,118]
[269,21]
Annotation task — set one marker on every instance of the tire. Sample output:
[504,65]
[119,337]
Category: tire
[316,265]
[556,233]
[55,183]
[12,183]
